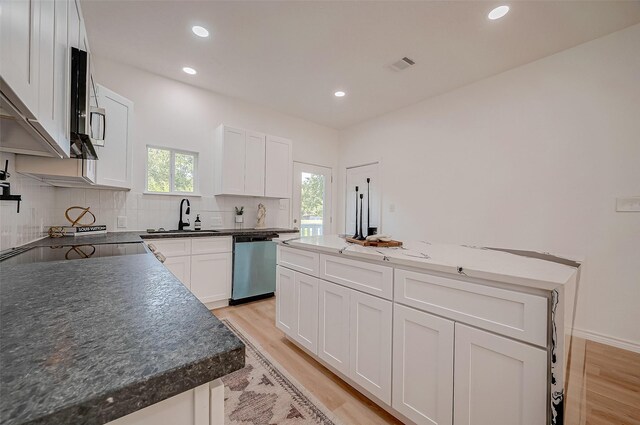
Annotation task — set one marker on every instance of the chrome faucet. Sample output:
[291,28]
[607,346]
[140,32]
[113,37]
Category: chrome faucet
[182,224]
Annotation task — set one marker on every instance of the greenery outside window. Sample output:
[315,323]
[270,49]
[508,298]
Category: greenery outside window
[171,171]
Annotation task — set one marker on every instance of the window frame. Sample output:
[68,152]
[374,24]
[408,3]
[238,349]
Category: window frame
[172,171]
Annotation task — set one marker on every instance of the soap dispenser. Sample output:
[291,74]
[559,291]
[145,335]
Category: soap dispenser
[197,225]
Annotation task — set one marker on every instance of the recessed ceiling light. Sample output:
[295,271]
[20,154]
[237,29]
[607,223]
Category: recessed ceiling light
[200,31]
[339,93]
[498,12]
[189,71]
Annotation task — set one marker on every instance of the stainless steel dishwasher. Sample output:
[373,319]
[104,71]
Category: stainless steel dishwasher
[254,268]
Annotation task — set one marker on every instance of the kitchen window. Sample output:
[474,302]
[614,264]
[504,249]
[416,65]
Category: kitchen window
[171,171]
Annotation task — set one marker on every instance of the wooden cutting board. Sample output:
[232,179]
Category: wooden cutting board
[389,244]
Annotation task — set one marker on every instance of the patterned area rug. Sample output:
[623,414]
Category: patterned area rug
[263,393]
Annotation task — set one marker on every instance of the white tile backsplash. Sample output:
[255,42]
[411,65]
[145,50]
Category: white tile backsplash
[44,206]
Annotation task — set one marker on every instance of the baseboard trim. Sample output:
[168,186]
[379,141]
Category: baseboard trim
[604,339]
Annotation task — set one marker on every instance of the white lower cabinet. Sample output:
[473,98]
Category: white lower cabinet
[423,366]
[181,268]
[370,329]
[210,274]
[204,265]
[285,300]
[498,380]
[306,310]
[333,330]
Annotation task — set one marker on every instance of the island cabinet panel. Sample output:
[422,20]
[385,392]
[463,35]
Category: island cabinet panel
[370,348]
[302,261]
[306,304]
[498,380]
[285,301]
[373,279]
[181,269]
[211,276]
[333,338]
[514,314]
[422,366]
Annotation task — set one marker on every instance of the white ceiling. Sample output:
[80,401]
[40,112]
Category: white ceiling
[292,56]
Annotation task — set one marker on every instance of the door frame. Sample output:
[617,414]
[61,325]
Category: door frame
[299,167]
[344,191]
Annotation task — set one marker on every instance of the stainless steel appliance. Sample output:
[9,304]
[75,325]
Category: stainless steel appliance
[83,109]
[254,268]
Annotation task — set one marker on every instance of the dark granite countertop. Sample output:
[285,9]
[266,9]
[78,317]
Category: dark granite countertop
[217,232]
[88,344]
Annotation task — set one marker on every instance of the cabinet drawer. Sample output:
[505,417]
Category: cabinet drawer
[172,247]
[213,245]
[366,277]
[515,314]
[296,259]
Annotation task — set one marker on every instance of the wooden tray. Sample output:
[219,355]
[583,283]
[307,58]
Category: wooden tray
[389,244]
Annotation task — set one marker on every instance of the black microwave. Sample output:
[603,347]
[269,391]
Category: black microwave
[87,120]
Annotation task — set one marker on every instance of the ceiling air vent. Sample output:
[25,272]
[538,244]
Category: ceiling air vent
[402,64]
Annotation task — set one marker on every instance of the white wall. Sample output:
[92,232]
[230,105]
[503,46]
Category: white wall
[174,114]
[533,158]
[36,214]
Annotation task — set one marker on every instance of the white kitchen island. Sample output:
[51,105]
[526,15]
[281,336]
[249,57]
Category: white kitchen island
[434,333]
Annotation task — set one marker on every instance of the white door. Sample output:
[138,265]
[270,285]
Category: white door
[306,302]
[371,202]
[312,199]
[370,348]
[422,366]
[114,168]
[181,268]
[211,277]
[496,377]
[233,161]
[333,336]
[278,165]
[286,301]
[254,164]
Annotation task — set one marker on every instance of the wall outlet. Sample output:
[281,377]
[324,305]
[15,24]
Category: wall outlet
[630,204]
[392,208]
[122,222]
[216,221]
[284,204]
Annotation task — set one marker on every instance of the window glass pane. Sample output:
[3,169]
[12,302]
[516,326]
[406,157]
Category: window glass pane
[158,170]
[312,204]
[185,167]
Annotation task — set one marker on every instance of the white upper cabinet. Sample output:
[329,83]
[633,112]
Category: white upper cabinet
[19,38]
[115,157]
[249,163]
[230,161]
[254,164]
[278,168]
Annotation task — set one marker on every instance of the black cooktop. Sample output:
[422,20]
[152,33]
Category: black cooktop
[41,254]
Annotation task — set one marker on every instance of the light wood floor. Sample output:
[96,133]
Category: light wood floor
[611,393]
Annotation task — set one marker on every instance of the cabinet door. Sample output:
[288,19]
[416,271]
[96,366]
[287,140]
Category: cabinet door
[232,161]
[254,164]
[422,366]
[370,330]
[181,268]
[19,26]
[114,168]
[306,304]
[285,301]
[496,377]
[278,168]
[211,277]
[333,337]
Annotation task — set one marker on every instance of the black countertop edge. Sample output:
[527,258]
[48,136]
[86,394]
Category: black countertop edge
[222,232]
[113,405]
